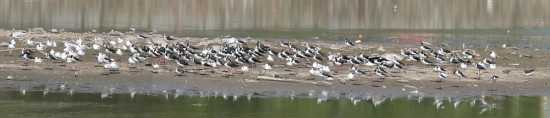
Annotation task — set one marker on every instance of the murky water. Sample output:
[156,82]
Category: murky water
[62,104]
[178,15]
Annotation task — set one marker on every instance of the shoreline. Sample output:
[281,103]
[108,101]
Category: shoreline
[420,78]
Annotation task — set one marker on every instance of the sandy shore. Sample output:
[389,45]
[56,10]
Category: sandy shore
[418,79]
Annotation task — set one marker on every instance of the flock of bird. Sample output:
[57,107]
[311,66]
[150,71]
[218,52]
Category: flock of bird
[236,54]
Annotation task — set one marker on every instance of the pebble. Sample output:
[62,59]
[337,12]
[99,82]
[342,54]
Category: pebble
[250,80]
[54,31]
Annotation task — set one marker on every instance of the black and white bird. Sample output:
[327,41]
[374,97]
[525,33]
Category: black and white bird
[348,43]
[425,61]
[441,76]
[480,66]
[439,69]
[424,47]
[380,73]
[178,70]
[494,78]
[528,72]
[168,38]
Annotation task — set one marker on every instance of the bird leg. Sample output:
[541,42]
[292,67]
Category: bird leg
[479,74]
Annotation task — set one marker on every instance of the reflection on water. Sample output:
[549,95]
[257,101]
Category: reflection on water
[178,15]
[314,104]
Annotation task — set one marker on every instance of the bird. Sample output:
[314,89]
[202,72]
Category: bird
[463,66]
[380,73]
[141,36]
[349,43]
[528,72]
[230,65]
[494,78]
[269,58]
[181,62]
[41,47]
[131,61]
[96,47]
[441,76]
[18,34]
[267,67]
[493,54]
[480,66]
[11,46]
[460,75]
[155,67]
[30,42]
[350,76]
[313,71]
[439,69]
[493,66]
[487,61]
[424,47]
[425,61]
[119,52]
[327,76]
[168,38]
[178,70]
[245,69]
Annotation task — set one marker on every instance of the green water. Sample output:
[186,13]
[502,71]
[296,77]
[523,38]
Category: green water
[36,104]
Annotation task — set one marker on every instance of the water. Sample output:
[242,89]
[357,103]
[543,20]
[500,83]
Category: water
[178,15]
[62,104]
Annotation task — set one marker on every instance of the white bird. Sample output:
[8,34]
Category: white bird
[41,46]
[30,42]
[12,42]
[463,66]
[267,67]
[325,69]
[245,69]
[124,48]
[99,39]
[316,65]
[96,47]
[18,34]
[38,60]
[312,71]
[350,76]
[269,58]
[128,43]
[112,42]
[131,61]
[289,63]
[78,41]
[156,66]
[11,46]
[119,52]
[119,40]
[81,53]
[493,66]
[493,54]
[114,65]
[50,44]
[229,40]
